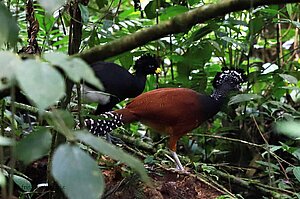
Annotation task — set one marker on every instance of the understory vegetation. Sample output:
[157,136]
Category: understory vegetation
[248,150]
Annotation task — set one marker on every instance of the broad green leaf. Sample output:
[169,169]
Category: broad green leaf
[235,42]
[9,29]
[296,153]
[172,11]
[291,88]
[243,98]
[63,122]
[289,128]
[84,13]
[296,23]
[289,9]
[296,172]
[34,146]
[4,141]
[267,164]
[22,182]
[9,63]
[105,148]
[2,179]
[75,68]
[65,116]
[256,25]
[53,5]
[291,79]
[101,3]
[77,173]
[203,31]
[41,82]
[126,60]
[150,10]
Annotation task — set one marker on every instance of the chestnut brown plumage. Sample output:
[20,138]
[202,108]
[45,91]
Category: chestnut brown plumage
[173,111]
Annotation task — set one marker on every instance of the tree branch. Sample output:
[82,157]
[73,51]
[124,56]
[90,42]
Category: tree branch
[180,23]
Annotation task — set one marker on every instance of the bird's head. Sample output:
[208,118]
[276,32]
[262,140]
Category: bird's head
[147,64]
[229,79]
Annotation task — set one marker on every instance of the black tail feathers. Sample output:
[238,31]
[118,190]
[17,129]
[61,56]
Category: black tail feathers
[111,120]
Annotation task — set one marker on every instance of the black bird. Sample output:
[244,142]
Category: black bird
[118,83]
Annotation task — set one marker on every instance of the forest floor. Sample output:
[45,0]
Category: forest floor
[166,184]
[123,184]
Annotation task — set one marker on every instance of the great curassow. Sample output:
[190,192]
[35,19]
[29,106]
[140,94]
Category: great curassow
[118,83]
[173,111]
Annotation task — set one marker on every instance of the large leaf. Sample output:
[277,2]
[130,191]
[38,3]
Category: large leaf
[51,6]
[9,29]
[243,98]
[289,128]
[4,141]
[34,146]
[41,82]
[235,42]
[75,68]
[296,171]
[84,13]
[256,25]
[172,11]
[77,173]
[291,79]
[2,179]
[9,63]
[63,122]
[22,182]
[103,147]
[150,10]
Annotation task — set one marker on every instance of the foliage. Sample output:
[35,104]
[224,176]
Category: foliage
[248,39]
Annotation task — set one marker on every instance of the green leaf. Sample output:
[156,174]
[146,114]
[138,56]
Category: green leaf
[126,60]
[172,11]
[243,98]
[267,164]
[105,148]
[41,83]
[84,13]
[101,3]
[296,172]
[235,42]
[289,128]
[34,146]
[75,68]
[197,35]
[256,25]
[289,9]
[51,6]
[22,182]
[291,79]
[9,63]
[4,141]
[77,173]
[296,153]
[2,179]
[150,10]
[63,122]
[9,29]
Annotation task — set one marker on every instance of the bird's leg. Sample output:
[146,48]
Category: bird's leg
[177,161]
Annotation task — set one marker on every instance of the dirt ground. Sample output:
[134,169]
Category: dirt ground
[166,185]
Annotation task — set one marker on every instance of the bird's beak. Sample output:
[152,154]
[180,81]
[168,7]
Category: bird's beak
[158,71]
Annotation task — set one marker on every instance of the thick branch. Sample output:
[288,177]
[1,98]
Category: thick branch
[178,24]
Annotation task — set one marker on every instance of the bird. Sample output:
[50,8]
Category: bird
[118,82]
[171,111]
